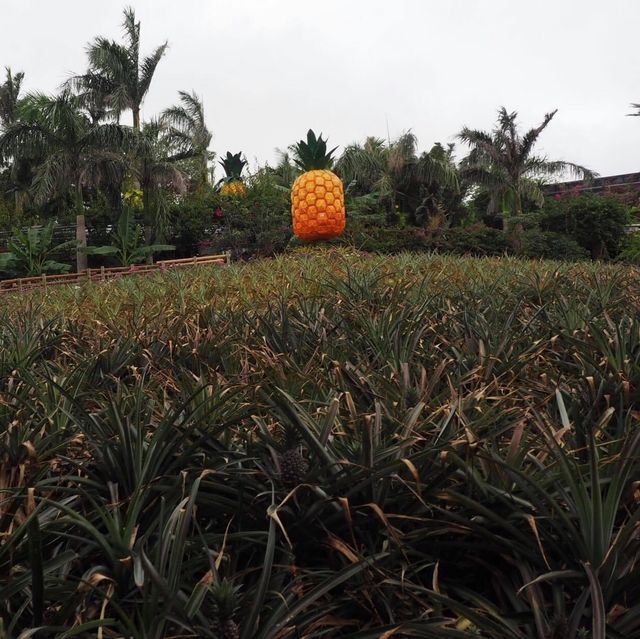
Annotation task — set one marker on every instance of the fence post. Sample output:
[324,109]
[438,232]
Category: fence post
[81,237]
[227,257]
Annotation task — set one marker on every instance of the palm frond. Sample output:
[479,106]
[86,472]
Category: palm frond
[148,68]
[131,32]
[52,177]
[10,96]
[531,137]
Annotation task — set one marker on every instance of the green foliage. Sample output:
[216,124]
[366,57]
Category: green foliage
[385,240]
[7,215]
[188,134]
[503,164]
[31,252]
[550,245]
[257,224]
[284,173]
[10,97]
[423,186]
[193,220]
[630,249]
[475,240]
[596,222]
[128,245]
[364,209]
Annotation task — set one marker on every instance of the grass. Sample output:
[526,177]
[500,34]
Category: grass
[464,436]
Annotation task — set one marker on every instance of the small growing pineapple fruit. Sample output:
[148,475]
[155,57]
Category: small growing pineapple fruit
[225,604]
[293,467]
[317,196]
[232,183]
[230,630]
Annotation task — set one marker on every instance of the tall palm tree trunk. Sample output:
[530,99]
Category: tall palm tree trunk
[18,208]
[517,202]
[79,197]
[516,230]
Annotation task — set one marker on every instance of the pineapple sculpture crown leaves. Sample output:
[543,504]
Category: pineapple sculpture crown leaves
[313,153]
[233,164]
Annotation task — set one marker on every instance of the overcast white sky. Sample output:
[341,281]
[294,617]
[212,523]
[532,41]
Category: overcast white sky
[270,69]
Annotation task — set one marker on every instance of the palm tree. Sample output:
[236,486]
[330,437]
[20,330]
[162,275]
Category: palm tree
[9,97]
[93,90]
[67,149]
[187,132]
[19,173]
[118,70]
[285,172]
[401,177]
[158,172]
[366,165]
[503,162]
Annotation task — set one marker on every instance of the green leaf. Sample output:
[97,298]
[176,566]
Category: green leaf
[36,568]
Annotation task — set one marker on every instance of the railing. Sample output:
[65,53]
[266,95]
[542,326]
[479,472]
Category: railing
[103,274]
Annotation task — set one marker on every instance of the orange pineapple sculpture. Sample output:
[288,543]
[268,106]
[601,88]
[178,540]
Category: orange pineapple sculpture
[317,196]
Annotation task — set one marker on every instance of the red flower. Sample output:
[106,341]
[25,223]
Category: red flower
[218,212]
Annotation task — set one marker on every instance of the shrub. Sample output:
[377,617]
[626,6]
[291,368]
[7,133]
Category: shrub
[551,245]
[388,240]
[474,240]
[596,222]
[193,219]
[257,224]
[630,249]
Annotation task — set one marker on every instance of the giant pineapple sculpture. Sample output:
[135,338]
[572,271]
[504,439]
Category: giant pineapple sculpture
[317,197]
[232,183]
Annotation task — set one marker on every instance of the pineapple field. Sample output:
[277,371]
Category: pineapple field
[327,444]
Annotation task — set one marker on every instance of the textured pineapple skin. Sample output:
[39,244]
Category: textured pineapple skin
[317,205]
[236,188]
[293,467]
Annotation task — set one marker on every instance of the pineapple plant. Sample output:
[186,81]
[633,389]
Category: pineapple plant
[225,605]
[317,197]
[232,183]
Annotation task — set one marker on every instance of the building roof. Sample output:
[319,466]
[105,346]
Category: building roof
[626,181]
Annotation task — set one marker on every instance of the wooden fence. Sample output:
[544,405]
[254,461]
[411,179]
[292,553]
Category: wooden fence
[103,274]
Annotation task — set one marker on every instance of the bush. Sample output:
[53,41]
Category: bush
[474,240]
[257,224]
[630,249]
[193,220]
[551,245]
[596,222]
[387,240]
